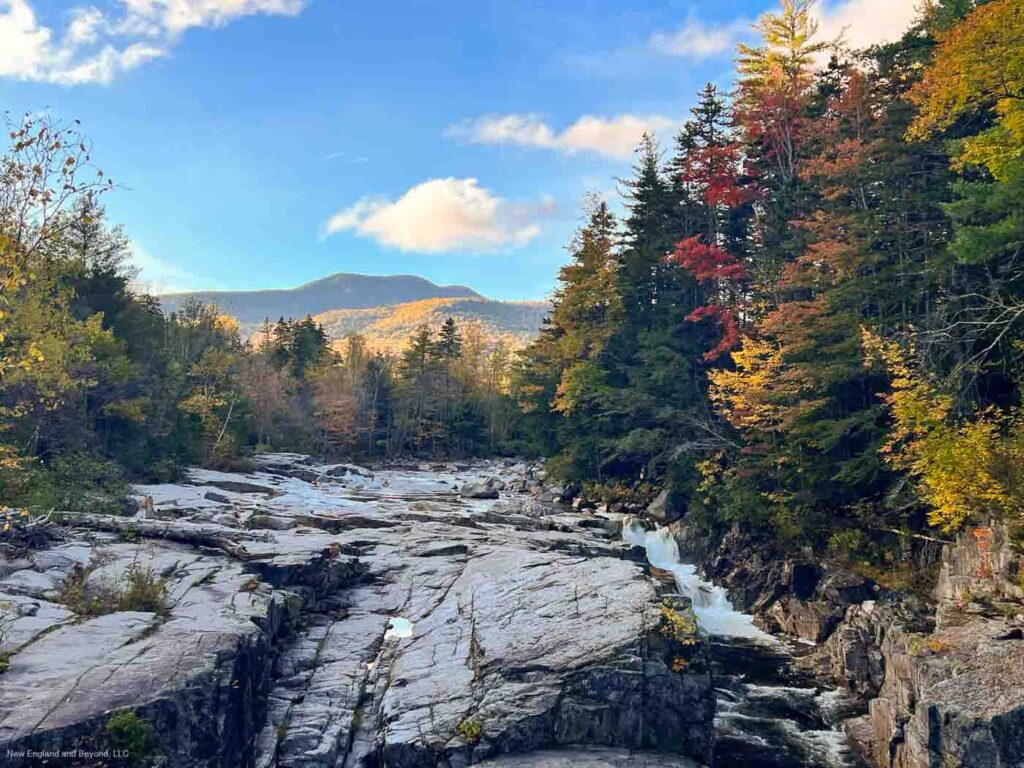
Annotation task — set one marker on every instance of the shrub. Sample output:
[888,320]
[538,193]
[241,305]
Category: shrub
[73,483]
[678,623]
[143,591]
[846,543]
[139,590]
[470,730]
[134,736]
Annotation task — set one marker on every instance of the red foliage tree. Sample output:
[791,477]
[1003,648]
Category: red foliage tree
[721,275]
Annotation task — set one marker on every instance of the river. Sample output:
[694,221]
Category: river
[768,713]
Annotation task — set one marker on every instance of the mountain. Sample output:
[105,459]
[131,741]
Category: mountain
[388,328]
[344,290]
[386,310]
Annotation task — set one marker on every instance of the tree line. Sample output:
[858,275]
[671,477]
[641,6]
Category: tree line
[808,319]
[99,387]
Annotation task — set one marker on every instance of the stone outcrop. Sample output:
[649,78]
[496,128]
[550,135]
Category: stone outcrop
[664,508]
[325,616]
[943,677]
[591,757]
[951,693]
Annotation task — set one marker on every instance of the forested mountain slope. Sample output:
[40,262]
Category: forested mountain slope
[343,290]
[388,328]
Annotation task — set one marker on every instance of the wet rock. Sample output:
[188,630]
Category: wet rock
[478,491]
[663,509]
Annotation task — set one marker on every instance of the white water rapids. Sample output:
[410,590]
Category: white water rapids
[715,613]
[765,717]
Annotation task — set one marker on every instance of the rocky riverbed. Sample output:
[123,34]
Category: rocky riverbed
[940,666]
[330,616]
[312,615]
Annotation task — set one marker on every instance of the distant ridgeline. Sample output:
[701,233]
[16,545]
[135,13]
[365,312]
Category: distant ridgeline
[385,310]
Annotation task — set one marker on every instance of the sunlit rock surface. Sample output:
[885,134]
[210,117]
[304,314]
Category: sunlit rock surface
[330,615]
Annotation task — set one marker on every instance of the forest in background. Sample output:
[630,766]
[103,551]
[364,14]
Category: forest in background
[807,321]
[99,387]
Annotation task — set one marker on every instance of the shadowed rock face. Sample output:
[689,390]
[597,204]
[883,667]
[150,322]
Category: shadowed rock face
[952,692]
[943,677]
[381,620]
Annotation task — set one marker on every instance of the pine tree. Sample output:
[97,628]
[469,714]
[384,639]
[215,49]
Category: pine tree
[561,386]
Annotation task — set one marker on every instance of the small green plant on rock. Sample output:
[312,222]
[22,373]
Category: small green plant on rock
[470,730]
[846,544]
[916,643]
[143,591]
[78,599]
[678,623]
[134,737]
[139,590]
[128,534]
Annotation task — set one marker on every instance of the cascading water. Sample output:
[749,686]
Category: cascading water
[714,611]
[768,715]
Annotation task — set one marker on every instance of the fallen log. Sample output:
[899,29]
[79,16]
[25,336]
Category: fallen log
[217,537]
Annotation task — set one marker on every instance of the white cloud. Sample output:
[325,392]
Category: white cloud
[95,47]
[443,215]
[157,275]
[696,40]
[866,22]
[860,23]
[614,137]
[175,16]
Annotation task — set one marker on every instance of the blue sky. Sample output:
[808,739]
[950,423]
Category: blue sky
[265,143]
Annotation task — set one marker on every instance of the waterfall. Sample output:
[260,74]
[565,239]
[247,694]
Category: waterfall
[715,613]
[766,715]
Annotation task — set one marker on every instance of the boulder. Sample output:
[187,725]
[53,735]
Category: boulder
[477,490]
[664,509]
[271,522]
[346,470]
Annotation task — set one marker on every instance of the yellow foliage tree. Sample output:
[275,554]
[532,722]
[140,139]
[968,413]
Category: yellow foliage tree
[979,65]
[743,395]
[963,468]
